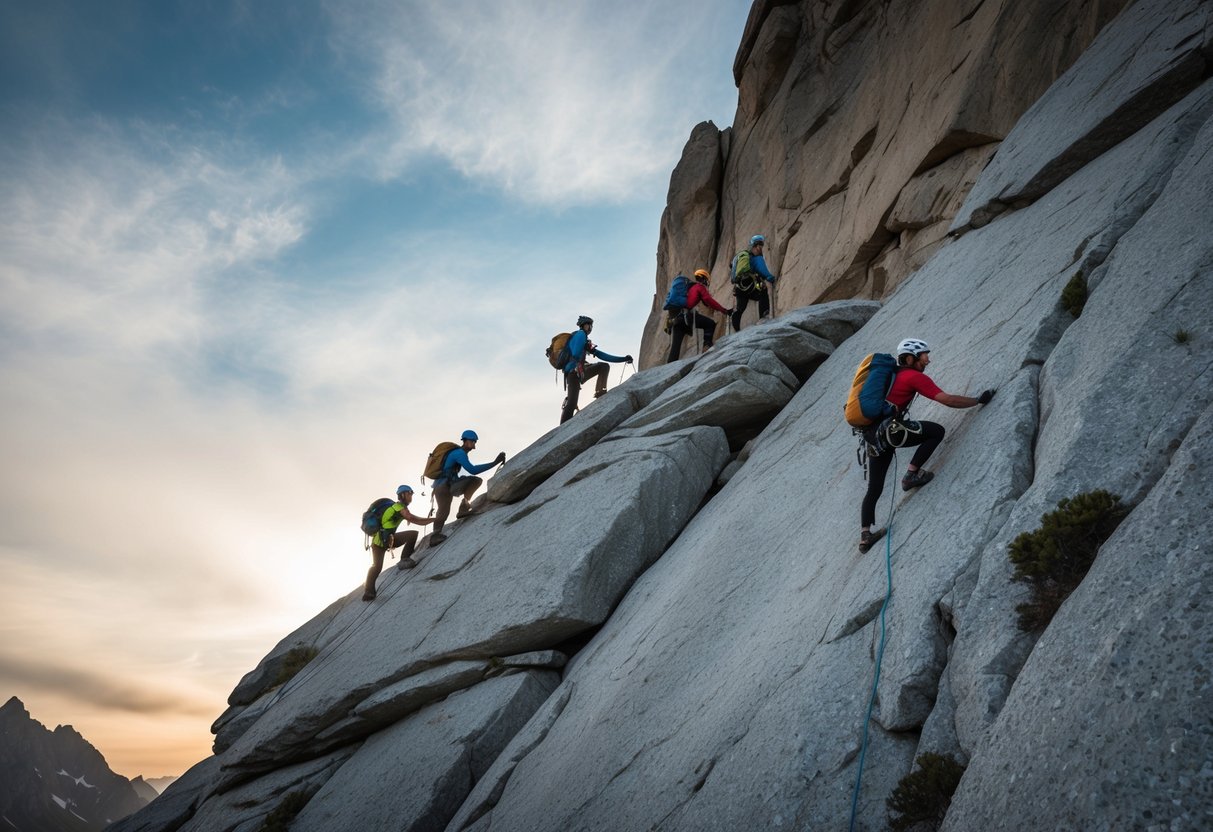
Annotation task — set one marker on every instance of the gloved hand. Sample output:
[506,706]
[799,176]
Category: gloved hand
[500,460]
[985,397]
[627,359]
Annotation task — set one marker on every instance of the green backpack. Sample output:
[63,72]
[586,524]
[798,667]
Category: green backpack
[741,273]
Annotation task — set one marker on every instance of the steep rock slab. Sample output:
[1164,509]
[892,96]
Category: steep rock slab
[244,809]
[559,446]
[518,578]
[1104,421]
[315,634]
[698,673]
[176,805]
[431,760]
[1151,56]
[1107,726]
[752,374]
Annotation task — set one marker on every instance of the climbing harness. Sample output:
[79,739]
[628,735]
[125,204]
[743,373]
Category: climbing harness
[892,433]
[888,565]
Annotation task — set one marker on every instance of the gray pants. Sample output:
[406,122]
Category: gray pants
[443,493]
[406,539]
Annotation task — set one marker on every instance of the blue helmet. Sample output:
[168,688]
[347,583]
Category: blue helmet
[756,239]
[470,434]
[404,489]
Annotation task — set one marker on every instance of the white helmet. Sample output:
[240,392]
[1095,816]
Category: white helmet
[912,346]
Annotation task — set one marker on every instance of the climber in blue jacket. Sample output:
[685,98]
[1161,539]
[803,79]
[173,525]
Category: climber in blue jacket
[576,371]
[450,484]
[750,279]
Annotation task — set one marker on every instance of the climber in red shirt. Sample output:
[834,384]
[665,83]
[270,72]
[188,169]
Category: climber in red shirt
[913,356]
[687,320]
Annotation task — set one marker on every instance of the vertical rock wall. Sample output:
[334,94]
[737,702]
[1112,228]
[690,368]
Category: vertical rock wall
[860,127]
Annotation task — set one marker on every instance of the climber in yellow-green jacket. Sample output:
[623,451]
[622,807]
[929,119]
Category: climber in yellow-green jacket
[389,537]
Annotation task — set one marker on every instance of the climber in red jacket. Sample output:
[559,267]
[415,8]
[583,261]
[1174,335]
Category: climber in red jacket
[685,322]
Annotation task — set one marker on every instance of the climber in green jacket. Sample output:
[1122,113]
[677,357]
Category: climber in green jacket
[389,537]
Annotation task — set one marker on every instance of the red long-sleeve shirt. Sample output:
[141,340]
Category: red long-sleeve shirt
[699,293]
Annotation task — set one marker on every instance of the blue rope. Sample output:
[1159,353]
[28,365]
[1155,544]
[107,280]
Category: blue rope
[888,565]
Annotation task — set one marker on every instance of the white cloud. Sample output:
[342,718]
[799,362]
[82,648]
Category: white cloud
[563,103]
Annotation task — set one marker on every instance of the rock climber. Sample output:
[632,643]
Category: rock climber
[389,537]
[913,356]
[750,276]
[686,321]
[576,371]
[450,484]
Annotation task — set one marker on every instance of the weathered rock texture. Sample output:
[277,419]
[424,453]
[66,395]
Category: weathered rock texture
[689,542]
[843,109]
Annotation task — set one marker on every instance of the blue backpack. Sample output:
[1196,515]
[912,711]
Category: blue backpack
[676,298]
[866,404]
[372,518]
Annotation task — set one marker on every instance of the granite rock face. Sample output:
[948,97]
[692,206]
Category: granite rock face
[660,619]
[841,108]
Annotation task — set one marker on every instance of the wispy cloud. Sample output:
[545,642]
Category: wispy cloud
[560,103]
[104,690]
[189,428]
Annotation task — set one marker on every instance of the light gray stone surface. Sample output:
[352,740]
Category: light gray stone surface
[519,577]
[489,787]
[1108,725]
[414,775]
[753,373]
[552,659]
[724,690]
[1102,424]
[748,389]
[315,633]
[176,804]
[245,808]
[559,446]
[1151,56]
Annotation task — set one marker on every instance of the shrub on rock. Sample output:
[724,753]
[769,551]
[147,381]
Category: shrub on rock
[1053,559]
[293,662]
[923,796]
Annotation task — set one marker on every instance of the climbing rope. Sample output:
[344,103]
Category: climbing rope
[888,565]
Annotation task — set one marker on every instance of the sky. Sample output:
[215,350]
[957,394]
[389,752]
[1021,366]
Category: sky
[256,259]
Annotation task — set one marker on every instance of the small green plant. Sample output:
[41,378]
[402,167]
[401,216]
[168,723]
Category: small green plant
[1053,559]
[1074,295]
[293,662]
[923,796]
[1181,336]
[280,819]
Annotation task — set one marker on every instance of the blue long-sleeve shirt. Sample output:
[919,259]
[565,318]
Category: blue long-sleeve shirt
[577,348]
[759,265]
[457,459]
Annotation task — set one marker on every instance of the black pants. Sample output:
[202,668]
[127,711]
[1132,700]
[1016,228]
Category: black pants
[572,387]
[744,296]
[684,324]
[878,468]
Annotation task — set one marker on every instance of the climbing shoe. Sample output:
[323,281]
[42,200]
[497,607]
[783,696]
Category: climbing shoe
[916,479]
[868,539]
[406,563]
[368,596]
[436,538]
[465,508]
